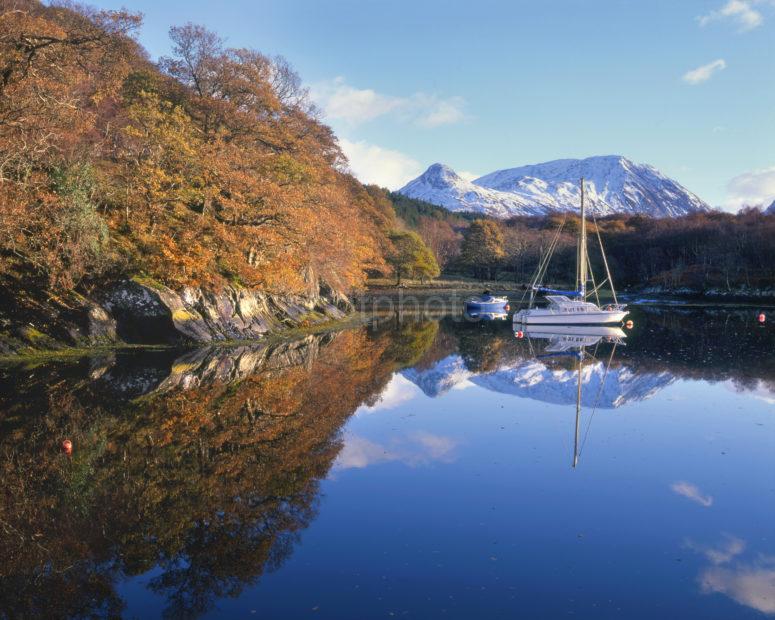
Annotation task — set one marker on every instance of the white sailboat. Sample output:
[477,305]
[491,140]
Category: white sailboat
[573,307]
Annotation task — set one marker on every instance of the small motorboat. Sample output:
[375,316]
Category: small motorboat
[487,303]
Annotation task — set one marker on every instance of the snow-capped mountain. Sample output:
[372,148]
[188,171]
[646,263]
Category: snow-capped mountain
[441,377]
[614,184]
[442,186]
[537,381]
[771,209]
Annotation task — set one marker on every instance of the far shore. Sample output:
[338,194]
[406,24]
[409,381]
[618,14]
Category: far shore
[435,298]
[458,287]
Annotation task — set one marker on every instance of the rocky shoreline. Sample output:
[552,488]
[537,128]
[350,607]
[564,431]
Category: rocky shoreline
[139,311]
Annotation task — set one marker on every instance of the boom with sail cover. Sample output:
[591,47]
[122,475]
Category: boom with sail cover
[552,291]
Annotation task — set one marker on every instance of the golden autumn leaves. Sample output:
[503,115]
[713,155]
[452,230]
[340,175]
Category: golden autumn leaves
[207,168]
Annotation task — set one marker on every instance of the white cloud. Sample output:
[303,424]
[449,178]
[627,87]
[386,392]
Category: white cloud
[692,492]
[724,552]
[753,188]
[748,583]
[433,112]
[739,11]
[705,72]
[342,102]
[374,164]
[752,585]
[414,449]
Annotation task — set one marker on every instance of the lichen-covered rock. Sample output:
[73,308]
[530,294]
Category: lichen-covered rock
[143,311]
[100,326]
[151,312]
[204,366]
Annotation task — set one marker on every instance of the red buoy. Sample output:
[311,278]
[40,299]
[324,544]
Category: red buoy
[506,307]
[520,334]
[67,447]
[629,324]
[761,317]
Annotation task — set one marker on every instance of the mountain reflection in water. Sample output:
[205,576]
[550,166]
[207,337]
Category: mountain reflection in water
[201,469]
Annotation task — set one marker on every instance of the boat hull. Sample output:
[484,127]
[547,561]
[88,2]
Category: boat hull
[487,306]
[544,317]
[476,315]
[595,332]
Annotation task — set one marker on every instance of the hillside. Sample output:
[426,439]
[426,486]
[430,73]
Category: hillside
[198,197]
[207,168]
[412,211]
[614,185]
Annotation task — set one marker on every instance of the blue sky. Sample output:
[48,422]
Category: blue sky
[685,85]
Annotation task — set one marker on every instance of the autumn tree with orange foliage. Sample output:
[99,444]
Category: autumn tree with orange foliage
[208,168]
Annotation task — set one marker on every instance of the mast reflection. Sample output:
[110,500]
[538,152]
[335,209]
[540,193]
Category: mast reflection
[573,341]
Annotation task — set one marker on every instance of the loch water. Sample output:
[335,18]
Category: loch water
[412,468]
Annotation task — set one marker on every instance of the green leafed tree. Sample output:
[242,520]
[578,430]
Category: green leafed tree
[483,248]
[411,257]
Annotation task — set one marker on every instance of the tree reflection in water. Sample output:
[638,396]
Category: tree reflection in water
[205,467]
[207,471]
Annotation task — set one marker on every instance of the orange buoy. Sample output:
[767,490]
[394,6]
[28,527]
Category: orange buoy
[629,324]
[67,447]
[520,334]
[761,317]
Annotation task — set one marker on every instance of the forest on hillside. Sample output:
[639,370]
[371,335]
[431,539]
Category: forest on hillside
[212,166]
[701,251]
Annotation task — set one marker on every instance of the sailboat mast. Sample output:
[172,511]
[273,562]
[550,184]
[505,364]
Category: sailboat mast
[582,258]
[578,410]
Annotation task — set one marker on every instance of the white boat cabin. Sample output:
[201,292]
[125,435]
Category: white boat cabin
[563,304]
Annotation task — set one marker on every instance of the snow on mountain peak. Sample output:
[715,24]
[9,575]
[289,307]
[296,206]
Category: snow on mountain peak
[613,183]
[771,209]
[533,379]
[440,175]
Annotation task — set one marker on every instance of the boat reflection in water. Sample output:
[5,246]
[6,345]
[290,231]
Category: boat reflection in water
[475,315]
[574,341]
[274,478]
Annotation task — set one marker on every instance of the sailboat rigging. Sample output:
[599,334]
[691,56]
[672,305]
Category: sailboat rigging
[573,307]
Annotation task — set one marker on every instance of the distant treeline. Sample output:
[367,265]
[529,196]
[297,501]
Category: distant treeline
[699,251]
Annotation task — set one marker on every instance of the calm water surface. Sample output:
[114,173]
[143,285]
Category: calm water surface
[414,468]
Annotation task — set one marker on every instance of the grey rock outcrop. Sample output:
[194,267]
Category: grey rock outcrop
[142,311]
[150,312]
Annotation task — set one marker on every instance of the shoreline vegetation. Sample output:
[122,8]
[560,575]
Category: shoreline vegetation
[410,299]
[453,284]
[200,198]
